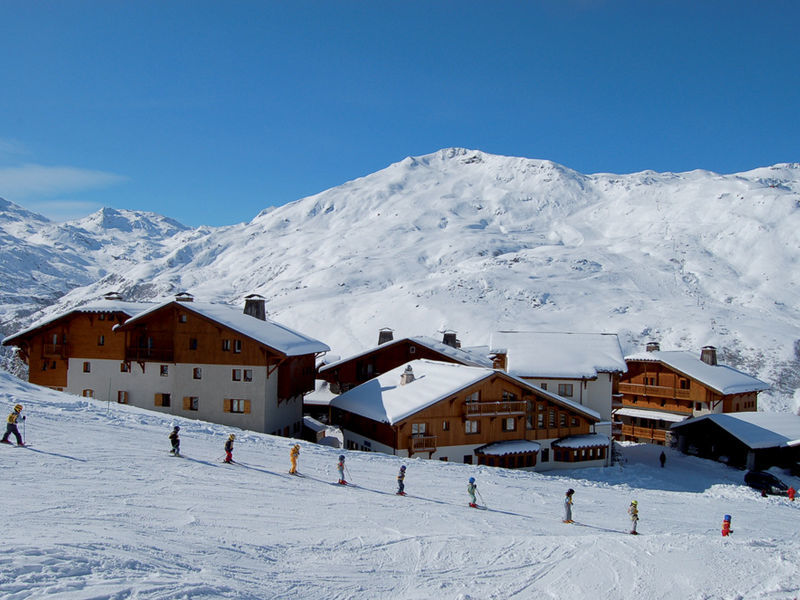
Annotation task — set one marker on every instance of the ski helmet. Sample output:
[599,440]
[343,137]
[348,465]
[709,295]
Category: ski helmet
[472,480]
[634,502]
[403,468]
[18,408]
[341,457]
[570,491]
[232,437]
[177,428]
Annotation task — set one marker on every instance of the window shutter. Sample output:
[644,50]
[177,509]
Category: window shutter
[187,403]
[158,400]
[247,406]
[226,405]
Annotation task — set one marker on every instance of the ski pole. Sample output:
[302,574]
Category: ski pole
[350,477]
[481,498]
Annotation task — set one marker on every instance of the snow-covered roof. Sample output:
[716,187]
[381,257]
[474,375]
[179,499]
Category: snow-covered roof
[650,414]
[383,399]
[313,424]
[559,354]
[471,357]
[321,396]
[278,337]
[721,378]
[590,440]
[510,447]
[757,430]
[102,306]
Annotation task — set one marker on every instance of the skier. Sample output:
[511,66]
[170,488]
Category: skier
[229,448]
[662,459]
[340,467]
[472,489]
[791,493]
[176,441]
[11,426]
[568,506]
[400,481]
[293,454]
[633,511]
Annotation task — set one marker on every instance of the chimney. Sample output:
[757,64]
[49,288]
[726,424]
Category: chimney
[449,339]
[184,297]
[407,376]
[652,347]
[112,296]
[255,306]
[385,335]
[709,355]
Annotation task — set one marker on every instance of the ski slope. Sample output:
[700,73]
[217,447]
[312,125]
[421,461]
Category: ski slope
[97,508]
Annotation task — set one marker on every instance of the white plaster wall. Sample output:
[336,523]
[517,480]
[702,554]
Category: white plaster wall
[594,393]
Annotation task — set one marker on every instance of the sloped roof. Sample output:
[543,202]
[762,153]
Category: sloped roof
[509,447]
[657,415]
[274,335]
[757,430]
[560,355]
[591,440]
[463,356]
[102,306]
[383,399]
[721,378]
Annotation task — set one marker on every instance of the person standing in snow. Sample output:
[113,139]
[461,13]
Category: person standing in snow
[11,425]
[340,468]
[293,454]
[401,487]
[229,448]
[791,493]
[472,489]
[633,512]
[662,459]
[176,441]
[568,506]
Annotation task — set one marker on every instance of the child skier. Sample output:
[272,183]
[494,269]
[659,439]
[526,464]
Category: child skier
[568,506]
[472,489]
[340,468]
[633,511]
[400,481]
[229,448]
[176,441]
[293,454]
[11,426]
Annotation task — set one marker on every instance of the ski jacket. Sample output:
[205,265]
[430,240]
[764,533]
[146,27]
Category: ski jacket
[229,446]
[295,452]
[12,418]
[471,487]
[173,437]
[401,476]
[633,511]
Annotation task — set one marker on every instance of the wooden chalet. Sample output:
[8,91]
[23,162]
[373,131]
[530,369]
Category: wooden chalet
[200,360]
[662,388]
[454,412]
[349,372]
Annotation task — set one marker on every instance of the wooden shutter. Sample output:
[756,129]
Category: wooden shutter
[247,406]
[159,401]
[227,405]
[187,403]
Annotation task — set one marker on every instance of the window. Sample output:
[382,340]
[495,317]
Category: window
[247,374]
[650,380]
[552,419]
[234,405]
[182,318]
[697,405]
[191,403]
[236,374]
[122,397]
[101,340]
[197,373]
[44,365]
[471,426]
[88,393]
[562,419]
[192,343]
[237,346]
[443,458]
[226,345]
[162,400]
[445,425]
[509,424]
[684,384]
[546,455]
[101,317]
[468,459]
[123,367]
[544,386]
[164,370]
[540,421]
[474,397]
[509,396]
[87,367]
[412,349]
[418,429]
[574,422]
[565,389]
[529,422]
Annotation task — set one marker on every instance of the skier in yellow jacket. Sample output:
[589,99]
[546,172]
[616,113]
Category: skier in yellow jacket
[293,454]
[11,426]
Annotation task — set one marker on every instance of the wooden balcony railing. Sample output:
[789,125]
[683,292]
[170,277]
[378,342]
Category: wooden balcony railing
[422,443]
[659,391]
[647,433]
[149,354]
[54,350]
[494,409]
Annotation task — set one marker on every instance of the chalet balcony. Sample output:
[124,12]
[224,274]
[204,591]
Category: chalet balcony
[422,443]
[616,401]
[647,433]
[54,350]
[659,391]
[149,354]
[495,409]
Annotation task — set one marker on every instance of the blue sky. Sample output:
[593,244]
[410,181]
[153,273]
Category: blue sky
[208,112]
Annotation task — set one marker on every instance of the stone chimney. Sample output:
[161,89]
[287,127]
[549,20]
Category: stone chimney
[652,347]
[407,376]
[450,339]
[255,306]
[385,335]
[112,296]
[709,355]
[184,297]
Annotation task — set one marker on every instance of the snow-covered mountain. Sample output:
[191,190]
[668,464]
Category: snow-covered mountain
[97,508]
[474,242]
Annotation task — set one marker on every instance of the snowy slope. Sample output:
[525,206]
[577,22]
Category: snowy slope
[97,508]
[478,243]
